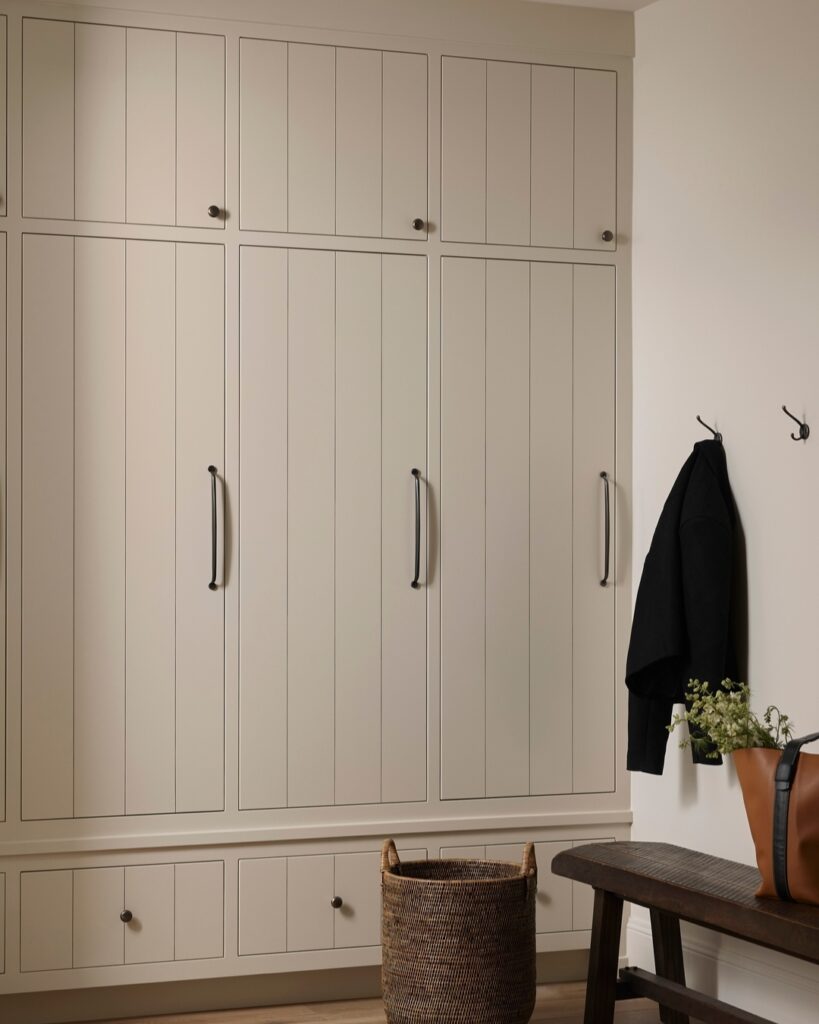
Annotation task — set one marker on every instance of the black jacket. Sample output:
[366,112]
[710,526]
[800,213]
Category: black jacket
[682,625]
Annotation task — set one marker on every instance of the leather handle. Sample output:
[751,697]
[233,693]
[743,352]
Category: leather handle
[785,775]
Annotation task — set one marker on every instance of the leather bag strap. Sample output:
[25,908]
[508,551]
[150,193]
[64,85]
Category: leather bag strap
[785,775]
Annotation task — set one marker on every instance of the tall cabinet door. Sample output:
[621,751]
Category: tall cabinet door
[3,513]
[332,633]
[527,631]
[123,412]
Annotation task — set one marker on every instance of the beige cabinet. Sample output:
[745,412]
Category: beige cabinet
[3,115]
[529,154]
[332,645]
[4,530]
[123,413]
[527,428]
[123,124]
[109,916]
[333,140]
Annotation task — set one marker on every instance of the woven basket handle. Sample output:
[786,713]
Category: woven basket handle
[529,865]
[389,855]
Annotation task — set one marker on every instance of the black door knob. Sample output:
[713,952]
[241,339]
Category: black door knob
[336,902]
[608,236]
[126,916]
[418,224]
[213,211]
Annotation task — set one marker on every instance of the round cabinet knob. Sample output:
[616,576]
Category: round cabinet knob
[418,224]
[608,236]
[336,902]
[126,916]
[213,211]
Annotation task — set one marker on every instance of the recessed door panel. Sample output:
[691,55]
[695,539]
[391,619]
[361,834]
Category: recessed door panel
[200,129]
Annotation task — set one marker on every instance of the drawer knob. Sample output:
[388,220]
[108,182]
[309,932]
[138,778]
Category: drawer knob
[608,236]
[336,902]
[126,916]
[418,224]
[213,211]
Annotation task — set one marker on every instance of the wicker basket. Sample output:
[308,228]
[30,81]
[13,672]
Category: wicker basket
[458,940]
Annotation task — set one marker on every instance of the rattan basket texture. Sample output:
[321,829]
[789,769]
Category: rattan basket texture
[458,940]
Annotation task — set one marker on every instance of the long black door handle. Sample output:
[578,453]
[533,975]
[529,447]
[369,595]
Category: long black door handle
[417,474]
[212,470]
[607,535]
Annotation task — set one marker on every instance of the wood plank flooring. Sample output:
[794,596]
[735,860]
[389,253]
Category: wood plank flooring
[556,1004]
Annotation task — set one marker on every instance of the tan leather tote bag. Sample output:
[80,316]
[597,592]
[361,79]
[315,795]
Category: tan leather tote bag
[781,794]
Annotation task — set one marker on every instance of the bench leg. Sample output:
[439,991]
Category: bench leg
[604,957]
[668,958]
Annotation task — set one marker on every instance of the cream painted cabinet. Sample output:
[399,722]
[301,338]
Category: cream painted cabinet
[109,916]
[123,124]
[332,645]
[3,529]
[3,116]
[333,140]
[123,413]
[529,154]
[527,428]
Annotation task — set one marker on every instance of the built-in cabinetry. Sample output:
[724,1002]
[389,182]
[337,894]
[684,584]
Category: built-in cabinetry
[304,524]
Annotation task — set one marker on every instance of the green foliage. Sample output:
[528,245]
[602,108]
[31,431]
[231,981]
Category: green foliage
[721,721]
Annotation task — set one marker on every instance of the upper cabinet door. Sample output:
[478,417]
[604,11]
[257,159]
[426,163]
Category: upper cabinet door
[3,112]
[123,125]
[333,140]
[529,154]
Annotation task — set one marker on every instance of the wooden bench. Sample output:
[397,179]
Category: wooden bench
[677,885]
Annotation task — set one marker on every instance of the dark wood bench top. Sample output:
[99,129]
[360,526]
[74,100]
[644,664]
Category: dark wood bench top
[695,887]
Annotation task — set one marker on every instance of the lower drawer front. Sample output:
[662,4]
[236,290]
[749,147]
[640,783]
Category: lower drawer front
[96,917]
[290,904]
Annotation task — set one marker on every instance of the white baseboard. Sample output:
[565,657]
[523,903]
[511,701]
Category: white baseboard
[770,984]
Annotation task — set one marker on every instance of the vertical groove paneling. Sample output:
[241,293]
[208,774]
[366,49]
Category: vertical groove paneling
[200,128]
[311,104]
[595,154]
[3,531]
[310,882]
[552,156]
[463,154]
[150,581]
[46,920]
[149,895]
[508,127]
[99,526]
[48,528]
[404,156]
[98,939]
[263,475]
[262,905]
[263,132]
[463,528]
[358,141]
[311,533]
[507,528]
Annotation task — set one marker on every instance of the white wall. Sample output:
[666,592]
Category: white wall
[726,324]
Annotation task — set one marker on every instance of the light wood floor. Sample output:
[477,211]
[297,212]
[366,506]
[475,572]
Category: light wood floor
[556,1004]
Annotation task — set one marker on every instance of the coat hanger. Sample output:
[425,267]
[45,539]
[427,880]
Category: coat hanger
[804,429]
[716,433]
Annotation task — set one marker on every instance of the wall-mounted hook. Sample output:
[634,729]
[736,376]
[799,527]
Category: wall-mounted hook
[804,429]
[716,433]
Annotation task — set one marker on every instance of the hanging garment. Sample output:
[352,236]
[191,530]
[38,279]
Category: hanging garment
[682,626]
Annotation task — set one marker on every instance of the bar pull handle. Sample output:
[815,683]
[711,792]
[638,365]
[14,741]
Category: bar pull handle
[417,474]
[212,470]
[607,535]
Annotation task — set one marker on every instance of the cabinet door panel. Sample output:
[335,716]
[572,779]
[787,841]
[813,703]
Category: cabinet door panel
[550,570]
[199,910]
[48,532]
[508,145]
[200,439]
[99,527]
[262,905]
[3,112]
[99,128]
[463,853]
[311,528]
[311,146]
[357,882]
[552,156]
[151,139]
[404,186]
[46,920]
[263,134]
[3,513]
[48,118]
[463,154]
[594,352]
[595,150]
[99,938]
[150,535]
[358,141]
[263,664]
[149,895]
[310,882]
[200,128]
[403,609]
[463,528]
[358,528]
